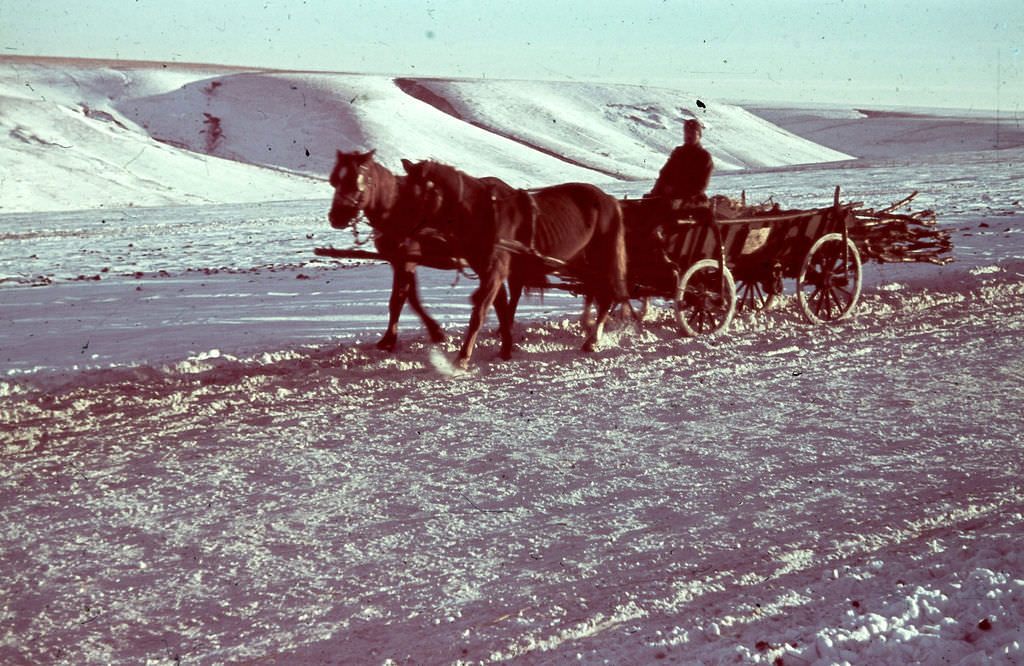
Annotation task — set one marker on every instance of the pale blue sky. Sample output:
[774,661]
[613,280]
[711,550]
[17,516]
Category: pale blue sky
[910,53]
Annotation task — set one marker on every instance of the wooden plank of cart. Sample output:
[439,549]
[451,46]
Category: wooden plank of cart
[708,266]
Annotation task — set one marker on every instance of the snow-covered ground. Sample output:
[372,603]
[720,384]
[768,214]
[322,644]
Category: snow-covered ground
[206,460]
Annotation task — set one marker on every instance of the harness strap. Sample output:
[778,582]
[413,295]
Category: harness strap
[534,214]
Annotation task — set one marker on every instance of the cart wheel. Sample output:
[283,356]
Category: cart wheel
[829,283]
[704,304]
[752,296]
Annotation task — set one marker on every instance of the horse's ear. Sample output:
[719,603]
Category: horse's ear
[407,165]
[371,153]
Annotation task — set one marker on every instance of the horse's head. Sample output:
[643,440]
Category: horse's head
[427,186]
[352,180]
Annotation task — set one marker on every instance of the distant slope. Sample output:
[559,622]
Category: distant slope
[89,134]
[65,145]
[622,130]
[891,134]
[297,121]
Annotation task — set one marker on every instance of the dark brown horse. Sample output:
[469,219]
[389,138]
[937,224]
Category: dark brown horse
[576,223]
[362,185]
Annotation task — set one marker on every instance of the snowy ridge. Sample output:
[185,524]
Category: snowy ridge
[66,146]
[622,130]
[144,135]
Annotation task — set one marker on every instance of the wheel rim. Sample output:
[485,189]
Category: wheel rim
[829,282]
[704,305]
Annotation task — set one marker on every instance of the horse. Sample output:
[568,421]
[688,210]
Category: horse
[575,223]
[362,185]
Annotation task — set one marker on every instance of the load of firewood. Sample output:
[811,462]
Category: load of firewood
[884,236]
[887,236]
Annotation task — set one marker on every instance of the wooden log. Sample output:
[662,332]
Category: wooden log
[899,203]
[347,254]
[430,261]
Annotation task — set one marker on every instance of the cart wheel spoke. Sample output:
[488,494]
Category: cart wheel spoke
[841,294]
[829,282]
[830,304]
[820,302]
[753,296]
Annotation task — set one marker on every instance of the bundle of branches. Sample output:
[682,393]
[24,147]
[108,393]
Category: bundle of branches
[887,236]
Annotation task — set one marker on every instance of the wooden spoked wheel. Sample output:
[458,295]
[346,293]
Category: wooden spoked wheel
[829,282]
[705,298]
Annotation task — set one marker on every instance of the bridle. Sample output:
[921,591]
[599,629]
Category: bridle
[356,200]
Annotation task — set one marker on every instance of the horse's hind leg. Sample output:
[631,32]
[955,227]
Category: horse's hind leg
[515,292]
[585,321]
[604,306]
[504,307]
[433,328]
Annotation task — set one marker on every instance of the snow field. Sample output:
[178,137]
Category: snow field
[206,460]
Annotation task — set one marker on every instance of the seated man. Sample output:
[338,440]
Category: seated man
[685,176]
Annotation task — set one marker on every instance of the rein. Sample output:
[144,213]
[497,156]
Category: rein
[355,233]
[366,197]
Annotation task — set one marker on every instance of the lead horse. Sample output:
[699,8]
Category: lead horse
[362,185]
[575,223]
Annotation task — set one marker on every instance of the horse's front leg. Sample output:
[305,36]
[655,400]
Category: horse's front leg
[433,328]
[491,284]
[515,292]
[403,275]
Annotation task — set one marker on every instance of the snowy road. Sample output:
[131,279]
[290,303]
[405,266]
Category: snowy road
[661,497]
[246,490]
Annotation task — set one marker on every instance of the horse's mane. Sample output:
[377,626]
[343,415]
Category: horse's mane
[386,180]
[435,169]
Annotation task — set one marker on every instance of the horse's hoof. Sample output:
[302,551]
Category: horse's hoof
[462,363]
[437,335]
[387,344]
[587,347]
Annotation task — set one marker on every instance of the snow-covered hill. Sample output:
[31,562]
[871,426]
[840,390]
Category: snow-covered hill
[81,135]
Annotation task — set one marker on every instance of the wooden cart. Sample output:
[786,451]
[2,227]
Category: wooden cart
[708,266]
[710,261]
